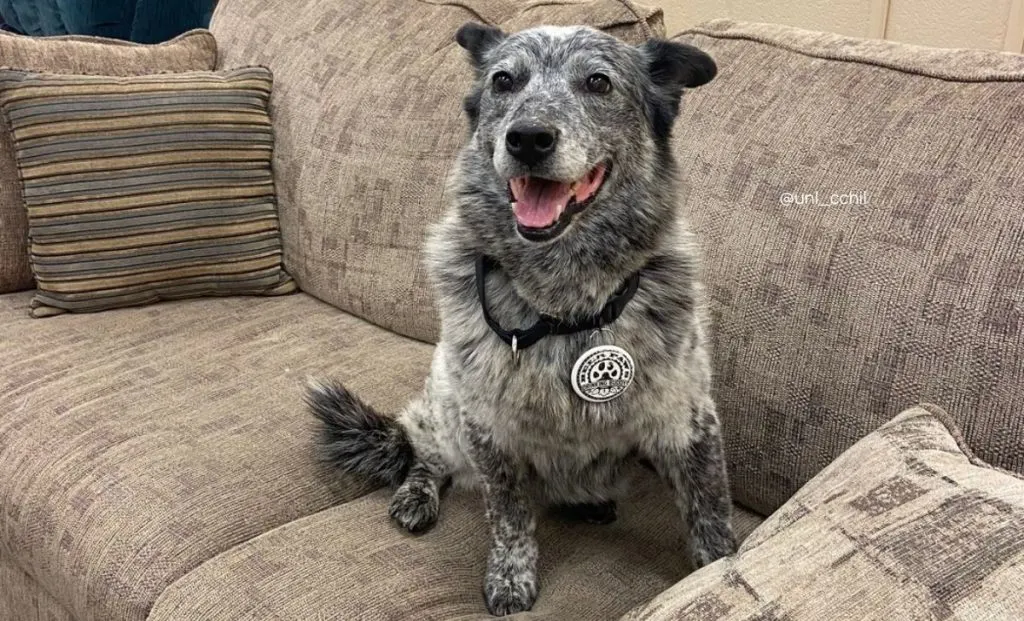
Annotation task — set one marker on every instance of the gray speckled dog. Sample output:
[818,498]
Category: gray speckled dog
[567,185]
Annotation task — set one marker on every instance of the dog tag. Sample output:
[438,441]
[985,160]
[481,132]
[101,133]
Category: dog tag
[602,373]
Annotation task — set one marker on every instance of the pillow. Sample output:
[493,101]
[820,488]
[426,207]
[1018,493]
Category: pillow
[195,50]
[145,188]
[907,524]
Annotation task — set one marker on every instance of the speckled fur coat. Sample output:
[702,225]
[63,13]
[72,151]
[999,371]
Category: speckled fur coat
[581,122]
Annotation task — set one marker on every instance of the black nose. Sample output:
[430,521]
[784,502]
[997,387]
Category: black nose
[530,144]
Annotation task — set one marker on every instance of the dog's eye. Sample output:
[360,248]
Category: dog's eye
[502,82]
[599,83]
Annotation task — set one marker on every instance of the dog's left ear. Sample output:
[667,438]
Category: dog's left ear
[478,39]
[672,66]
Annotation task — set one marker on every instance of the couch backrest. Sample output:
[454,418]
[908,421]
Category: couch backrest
[830,319]
[368,119]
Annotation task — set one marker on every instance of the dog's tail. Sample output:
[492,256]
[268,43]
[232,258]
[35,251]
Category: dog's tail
[356,438]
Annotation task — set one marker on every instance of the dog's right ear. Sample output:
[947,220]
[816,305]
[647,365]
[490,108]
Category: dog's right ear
[478,39]
[672,66]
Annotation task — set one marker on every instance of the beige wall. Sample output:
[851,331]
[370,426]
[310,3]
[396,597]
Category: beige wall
[989,24]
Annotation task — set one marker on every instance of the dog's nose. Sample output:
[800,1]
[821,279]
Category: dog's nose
[530,144]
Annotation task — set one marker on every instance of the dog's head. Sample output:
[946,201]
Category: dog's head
[570,127]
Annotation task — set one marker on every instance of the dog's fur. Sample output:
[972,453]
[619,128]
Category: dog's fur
[517,428]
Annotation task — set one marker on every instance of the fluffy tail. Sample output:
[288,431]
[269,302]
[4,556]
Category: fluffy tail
[356,438]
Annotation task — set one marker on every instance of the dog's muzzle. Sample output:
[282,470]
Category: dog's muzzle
[543,208]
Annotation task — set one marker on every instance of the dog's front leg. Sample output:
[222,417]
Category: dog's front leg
[689,457]
[510,585]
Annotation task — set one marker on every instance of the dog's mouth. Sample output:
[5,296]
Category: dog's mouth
[544,208]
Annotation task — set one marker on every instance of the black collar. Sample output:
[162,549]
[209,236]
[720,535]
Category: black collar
[548,325]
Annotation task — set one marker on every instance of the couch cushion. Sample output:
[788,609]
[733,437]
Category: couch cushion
[137,443]
[368,118]
[350,562]
[145,188]
[906,525]
[194,50]
[828,319]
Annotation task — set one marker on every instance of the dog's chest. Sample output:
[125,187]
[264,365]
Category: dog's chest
[534,395]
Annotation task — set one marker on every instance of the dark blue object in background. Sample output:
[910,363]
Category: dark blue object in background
[143,21]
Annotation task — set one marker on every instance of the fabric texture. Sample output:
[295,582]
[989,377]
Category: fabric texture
[368,118]
[146,188]
[350,562]
[192,51]
[23,599]
[136,444]
[905,525]
[829,318]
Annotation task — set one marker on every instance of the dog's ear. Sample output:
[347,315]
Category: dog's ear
[673,66]
[478,39]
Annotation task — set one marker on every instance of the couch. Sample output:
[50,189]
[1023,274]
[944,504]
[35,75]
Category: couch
[157,462]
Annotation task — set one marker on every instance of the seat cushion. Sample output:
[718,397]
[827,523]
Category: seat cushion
[830,318]
[350,562]
[368,119]
[137,443]
[906,525]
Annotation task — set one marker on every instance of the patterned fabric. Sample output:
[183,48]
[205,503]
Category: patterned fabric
[368,118]
[22,597]
[351,563]
[906,525]
[828,319]
[136,444]
[195,50]
[146,188]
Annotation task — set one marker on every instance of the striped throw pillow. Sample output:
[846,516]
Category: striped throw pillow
[147,188]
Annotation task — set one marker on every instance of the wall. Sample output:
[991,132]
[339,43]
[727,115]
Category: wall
[988,24]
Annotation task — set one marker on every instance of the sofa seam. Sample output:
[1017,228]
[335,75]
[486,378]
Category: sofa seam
[946,419]
[76,38]
[272,529]
[42,586]
[763,40]
[641,19]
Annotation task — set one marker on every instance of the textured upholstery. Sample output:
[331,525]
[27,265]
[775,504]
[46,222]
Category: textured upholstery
[195,50]
[137,443]
[22,598]
[367,109]
[830,319]
[905,525]
[350,562]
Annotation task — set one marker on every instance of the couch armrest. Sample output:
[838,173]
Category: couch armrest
[907,524]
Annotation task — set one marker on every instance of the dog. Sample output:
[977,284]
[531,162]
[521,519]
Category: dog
[563,246]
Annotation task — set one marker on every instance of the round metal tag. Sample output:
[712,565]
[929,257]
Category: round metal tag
[602,373]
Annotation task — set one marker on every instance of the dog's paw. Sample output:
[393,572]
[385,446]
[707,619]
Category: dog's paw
[415,507]
[509,587]
[711,543]
[591,513]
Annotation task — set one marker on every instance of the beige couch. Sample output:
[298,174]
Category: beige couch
[157,463]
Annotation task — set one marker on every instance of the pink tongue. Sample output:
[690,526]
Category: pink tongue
[539,202]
